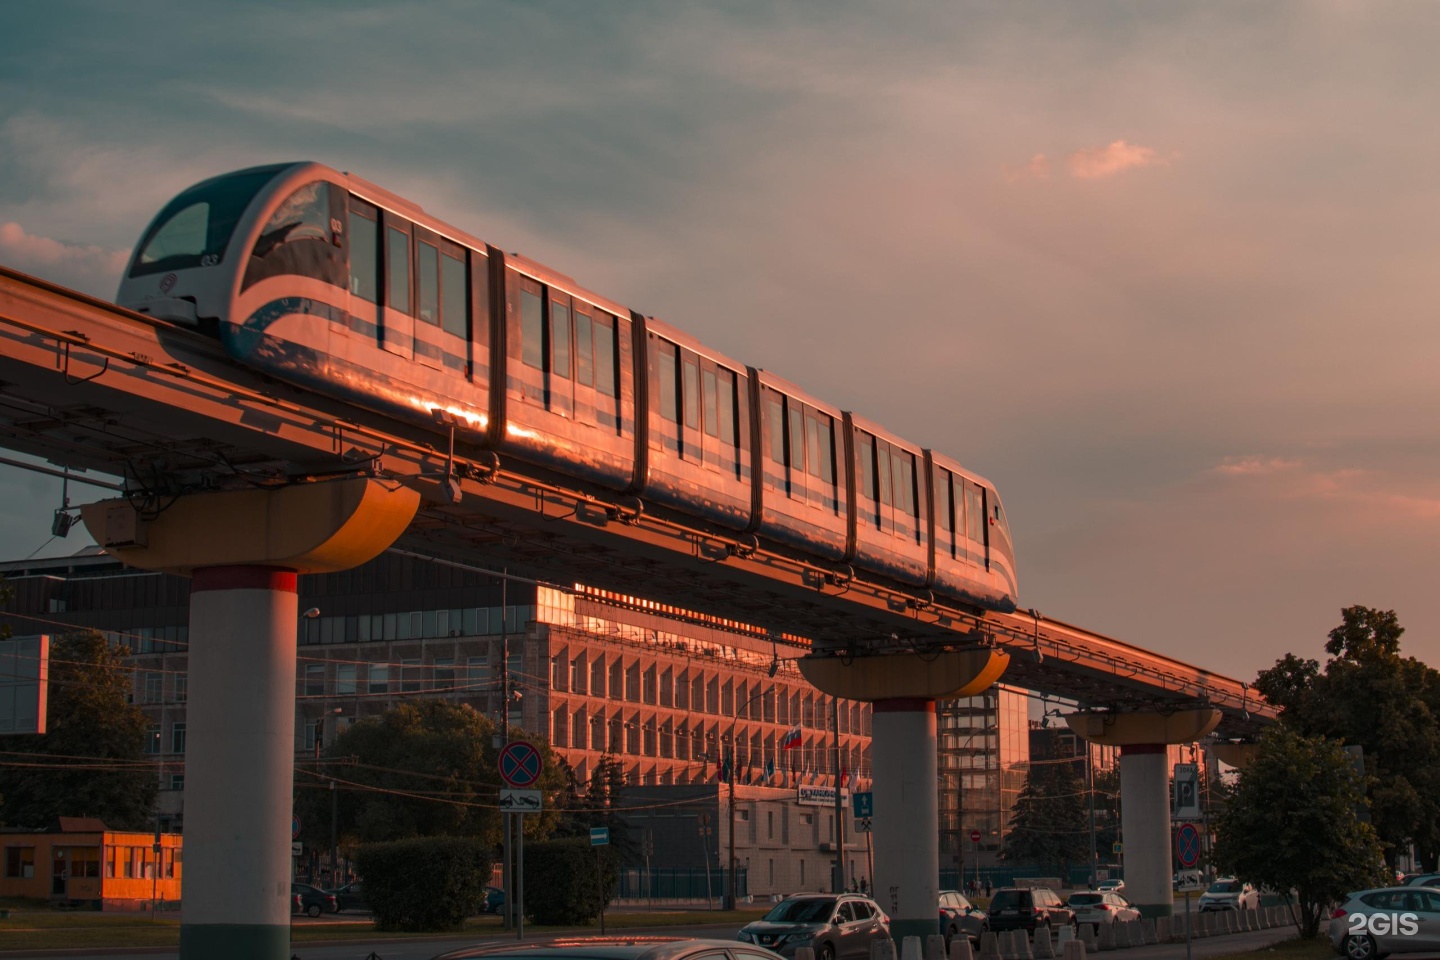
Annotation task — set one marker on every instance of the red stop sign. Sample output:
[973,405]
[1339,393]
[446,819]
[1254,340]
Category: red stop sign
[974,836]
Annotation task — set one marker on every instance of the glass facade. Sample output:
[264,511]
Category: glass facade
[984,756]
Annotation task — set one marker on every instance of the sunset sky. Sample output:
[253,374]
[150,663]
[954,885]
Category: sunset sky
[1165,272]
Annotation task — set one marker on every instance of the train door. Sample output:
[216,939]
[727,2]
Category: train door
[977,552]
[428,344]
[397,325]
[364,244]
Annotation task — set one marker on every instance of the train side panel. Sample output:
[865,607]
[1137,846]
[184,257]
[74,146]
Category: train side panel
[804,470]
[699,454]
[892,522]
[974,561]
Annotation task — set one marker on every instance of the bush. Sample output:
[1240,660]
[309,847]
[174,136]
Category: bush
[427,883]
[560,883]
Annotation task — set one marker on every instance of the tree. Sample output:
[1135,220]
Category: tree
[1369,695]
[426,768]
[91,762]
[1051,825]
[1291,822]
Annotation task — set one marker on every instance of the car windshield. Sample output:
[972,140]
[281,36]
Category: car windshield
[1224,886]
[1086,898]
[1005,899]
[801,911]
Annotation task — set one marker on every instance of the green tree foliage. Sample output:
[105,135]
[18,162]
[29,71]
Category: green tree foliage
[424,883]
[561,885]
[1291,822]
[597,802]
[1370,695]
[1051,825]
[90,717]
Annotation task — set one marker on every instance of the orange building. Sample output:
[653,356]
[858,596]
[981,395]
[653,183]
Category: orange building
[79,861]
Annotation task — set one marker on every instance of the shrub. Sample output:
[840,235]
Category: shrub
[560,882]
[426,883]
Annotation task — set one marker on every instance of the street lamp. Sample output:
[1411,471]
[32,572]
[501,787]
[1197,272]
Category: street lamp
[734,717]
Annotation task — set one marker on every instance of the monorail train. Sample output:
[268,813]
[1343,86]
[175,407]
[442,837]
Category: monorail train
[327,281]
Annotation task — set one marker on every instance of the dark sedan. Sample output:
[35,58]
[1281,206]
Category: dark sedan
[958,915]
[613,948]
[313,900]
[1020,908]
[835,926]
[350,897]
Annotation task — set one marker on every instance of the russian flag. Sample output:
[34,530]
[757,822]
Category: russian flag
[791,738]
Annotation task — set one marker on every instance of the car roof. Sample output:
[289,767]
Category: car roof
[599,948]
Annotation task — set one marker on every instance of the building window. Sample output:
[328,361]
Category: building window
[177,737]
[153,688]
[444,674]
[20,863]
[379,678]
[315,680]
[769,824]
[409,676]
[344,679]
[182,684]
[477,672]
[152,738]
[177,782]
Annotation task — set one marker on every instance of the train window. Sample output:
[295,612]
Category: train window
[364,251]
[301,239]
[532,327]
[454,302]
[584,350]
[669,401]
[194,229]
[795,414]
[427,268]
[945,510]
[397,268]
[560,339]
[605,354]
[882,457]
[865,452]
[691,392]
[712,413]
[974,513]
[775,417]
[726,404]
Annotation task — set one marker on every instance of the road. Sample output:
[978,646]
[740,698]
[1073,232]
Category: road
[428,948]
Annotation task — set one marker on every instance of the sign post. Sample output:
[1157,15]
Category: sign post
[520,765]
[1187,853]
[975,839]
[599,837]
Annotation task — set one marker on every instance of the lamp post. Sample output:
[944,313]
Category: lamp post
[734,718]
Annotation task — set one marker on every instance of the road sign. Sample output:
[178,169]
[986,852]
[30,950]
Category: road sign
[520,801]
[520,764]
[863,825]
[599,836]
[295,827]
[1187,791]
[1187,845]
[864,804]
[1117,848]
[297,849]
[974,836]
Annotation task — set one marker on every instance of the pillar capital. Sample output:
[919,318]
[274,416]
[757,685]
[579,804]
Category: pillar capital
[906,676]
[1140,728]
[305,527]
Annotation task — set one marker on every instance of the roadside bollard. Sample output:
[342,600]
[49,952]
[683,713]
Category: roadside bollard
[935,946]
[960,948]
[1074,950]
[1042,947]
[910,949]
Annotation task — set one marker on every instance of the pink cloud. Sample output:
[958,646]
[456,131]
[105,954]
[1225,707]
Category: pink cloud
[1093,163]
[89,268]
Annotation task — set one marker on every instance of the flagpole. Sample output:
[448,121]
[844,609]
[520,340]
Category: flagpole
[839,804]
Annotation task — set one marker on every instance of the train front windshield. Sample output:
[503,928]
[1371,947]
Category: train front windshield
[194,229]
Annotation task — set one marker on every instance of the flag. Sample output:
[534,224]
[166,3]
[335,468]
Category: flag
[769,769]
[844,777]
[725,768]
[791,738]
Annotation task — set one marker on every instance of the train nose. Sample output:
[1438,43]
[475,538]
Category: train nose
[175,309]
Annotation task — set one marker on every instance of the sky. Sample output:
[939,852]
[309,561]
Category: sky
[1165,273]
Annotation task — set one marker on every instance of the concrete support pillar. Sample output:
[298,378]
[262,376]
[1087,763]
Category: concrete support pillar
[240,770]
[1145,825]
[906,826]
[1143,738]
[244,549]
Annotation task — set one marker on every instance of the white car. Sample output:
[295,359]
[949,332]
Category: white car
[1227,893]
[1110,886]
[1099,908]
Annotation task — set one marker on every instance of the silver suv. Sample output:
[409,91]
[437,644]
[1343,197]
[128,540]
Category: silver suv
[836,926]
[1227,893]
[1372,923]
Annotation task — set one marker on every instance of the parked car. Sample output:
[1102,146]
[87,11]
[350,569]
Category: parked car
[1114,885]
[1227,893]
[1096,908]
[835,926]
[295,905]
[1423,880]
[494,899]
[313,900]
[1403,922]
[611,948]
[350,897]
[958,915]
[1014,908]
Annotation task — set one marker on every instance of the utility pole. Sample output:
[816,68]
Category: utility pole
[334,838]
[839,802]
[1090,783]
[505,818]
